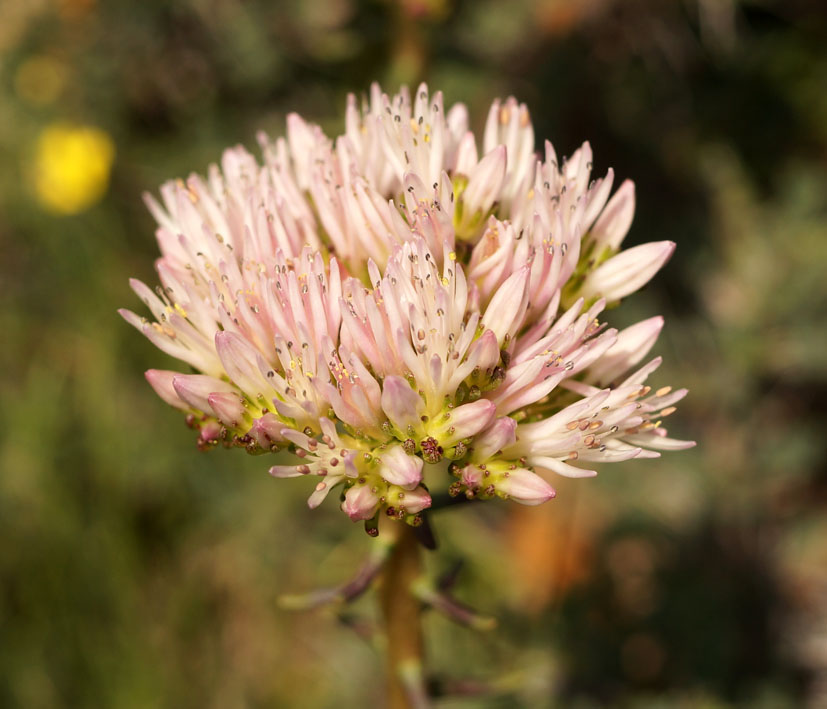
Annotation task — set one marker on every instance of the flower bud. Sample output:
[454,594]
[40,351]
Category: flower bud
[484,352]
[229,407]
[471,476]
[360,503]
[210,433]
[413,501]
[266,430]
[464,422]
[525,487]
[399,468]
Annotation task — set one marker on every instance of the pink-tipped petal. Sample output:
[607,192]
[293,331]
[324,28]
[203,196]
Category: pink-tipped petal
[631,346]
[485,181]
[627,272]
[195,389]
[498,435]
[505,311]
[240,360]
[161,381]
[402,405]
[614,221]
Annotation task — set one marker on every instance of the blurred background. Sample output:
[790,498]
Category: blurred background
[137,572]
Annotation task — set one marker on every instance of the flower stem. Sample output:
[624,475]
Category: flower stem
[402,611]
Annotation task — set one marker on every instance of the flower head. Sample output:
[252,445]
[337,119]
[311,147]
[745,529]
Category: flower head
[404,308]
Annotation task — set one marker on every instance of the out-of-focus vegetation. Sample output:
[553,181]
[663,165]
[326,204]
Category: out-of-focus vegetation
[136,571]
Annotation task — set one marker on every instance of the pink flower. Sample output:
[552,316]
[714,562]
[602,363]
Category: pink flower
[378,302]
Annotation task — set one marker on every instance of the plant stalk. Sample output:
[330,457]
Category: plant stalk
[402,613]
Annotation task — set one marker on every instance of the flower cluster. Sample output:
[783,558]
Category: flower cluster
[407,310]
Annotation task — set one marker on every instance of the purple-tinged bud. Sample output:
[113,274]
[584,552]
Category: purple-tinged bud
[161,381]
[399,468]
[195,389]
[627,272]
[471,476]
[484,352]
[465,421]
[209,434]
[493,439]
[525,487]
[414,501]
[229,407]
[267,430]
[614,221]
[360,503]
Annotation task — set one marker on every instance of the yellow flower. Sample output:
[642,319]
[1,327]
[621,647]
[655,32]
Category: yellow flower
[72,166]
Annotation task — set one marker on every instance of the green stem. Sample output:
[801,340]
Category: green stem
[402,612]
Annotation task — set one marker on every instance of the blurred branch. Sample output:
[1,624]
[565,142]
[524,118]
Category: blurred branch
[452,609]
[347,592]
